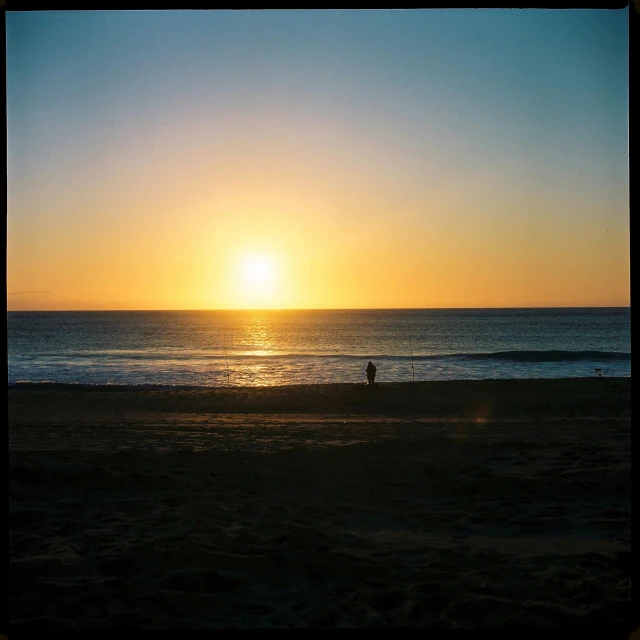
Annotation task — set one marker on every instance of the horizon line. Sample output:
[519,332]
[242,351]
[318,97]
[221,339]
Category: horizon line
[628,306]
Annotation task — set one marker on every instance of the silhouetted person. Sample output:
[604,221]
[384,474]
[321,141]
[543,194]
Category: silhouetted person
[371,373]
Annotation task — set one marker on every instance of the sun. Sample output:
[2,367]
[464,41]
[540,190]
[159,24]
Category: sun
[258,272]
[259,281]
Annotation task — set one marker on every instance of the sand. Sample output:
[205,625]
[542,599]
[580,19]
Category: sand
[478,504]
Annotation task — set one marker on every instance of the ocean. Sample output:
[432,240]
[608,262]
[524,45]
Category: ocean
[155,349]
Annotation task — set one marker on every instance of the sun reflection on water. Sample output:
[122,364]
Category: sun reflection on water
[257,338]
[259,352]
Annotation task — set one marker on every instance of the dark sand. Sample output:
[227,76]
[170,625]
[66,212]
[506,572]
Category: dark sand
[441,504]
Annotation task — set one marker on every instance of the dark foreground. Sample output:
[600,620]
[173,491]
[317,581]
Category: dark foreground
[442,504]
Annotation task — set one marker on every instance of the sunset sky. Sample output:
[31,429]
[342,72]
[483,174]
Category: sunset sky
[317,159]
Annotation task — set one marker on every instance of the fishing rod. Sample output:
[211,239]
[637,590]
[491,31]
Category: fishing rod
[412,369]
[224,340]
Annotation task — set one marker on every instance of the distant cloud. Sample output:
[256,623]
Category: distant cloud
[27,293]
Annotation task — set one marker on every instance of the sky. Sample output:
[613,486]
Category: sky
[317,159]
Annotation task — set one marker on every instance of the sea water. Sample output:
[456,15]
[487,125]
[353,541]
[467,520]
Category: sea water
[212,348]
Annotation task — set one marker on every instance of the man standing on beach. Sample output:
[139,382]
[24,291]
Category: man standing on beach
[371,373]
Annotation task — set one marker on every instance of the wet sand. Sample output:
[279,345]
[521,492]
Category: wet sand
[442,504]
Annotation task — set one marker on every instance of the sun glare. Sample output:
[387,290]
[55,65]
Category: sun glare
[256,281]
[259,282]
[258,271]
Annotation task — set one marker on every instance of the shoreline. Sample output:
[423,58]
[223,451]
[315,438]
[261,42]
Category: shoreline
[45,385]
[469,399]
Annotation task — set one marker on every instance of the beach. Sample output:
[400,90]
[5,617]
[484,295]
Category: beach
[479,504]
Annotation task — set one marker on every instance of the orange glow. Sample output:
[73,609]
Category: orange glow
[339,247]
